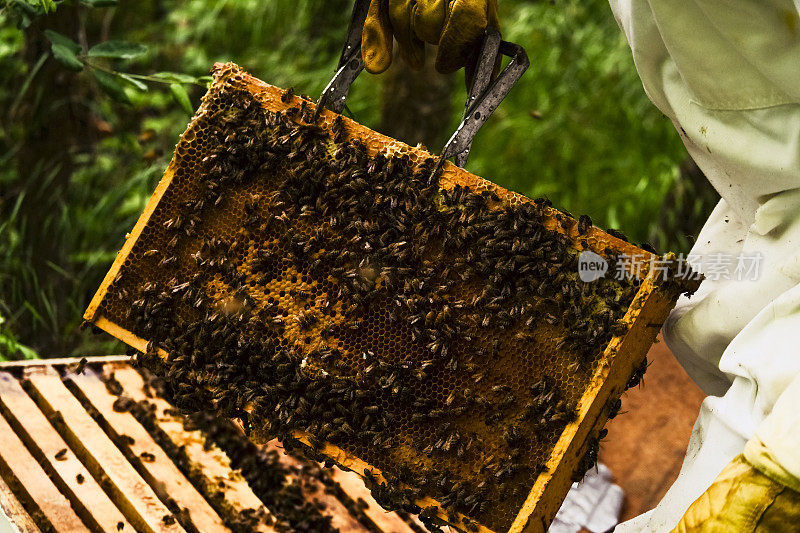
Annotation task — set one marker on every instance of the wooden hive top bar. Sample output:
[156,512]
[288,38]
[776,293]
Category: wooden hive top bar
[103,450]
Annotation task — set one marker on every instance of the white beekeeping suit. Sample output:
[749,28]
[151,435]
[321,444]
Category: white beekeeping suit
[727,73]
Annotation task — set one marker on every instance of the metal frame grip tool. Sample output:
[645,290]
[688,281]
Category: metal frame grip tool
[485,95]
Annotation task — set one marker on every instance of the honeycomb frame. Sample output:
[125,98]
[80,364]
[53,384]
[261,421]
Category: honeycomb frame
[620,358]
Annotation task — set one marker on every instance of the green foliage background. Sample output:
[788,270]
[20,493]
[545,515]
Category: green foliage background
[578,128]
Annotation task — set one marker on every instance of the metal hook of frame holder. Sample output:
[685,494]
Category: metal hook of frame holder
[485,95]
[334,96]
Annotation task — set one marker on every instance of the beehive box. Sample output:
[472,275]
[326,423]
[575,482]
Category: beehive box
[95,446]
[430,331]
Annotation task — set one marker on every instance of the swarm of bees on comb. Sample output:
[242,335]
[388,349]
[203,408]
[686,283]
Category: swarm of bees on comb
[327,295]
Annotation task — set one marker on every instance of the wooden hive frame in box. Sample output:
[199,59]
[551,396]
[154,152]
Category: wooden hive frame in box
[621,357]
[90,444]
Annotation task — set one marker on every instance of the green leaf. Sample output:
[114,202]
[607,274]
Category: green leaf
[28,9]
[111,86]
[48,5]
[67,57]
[27,353]
[182,97]
[140,85]
[175,77]
[99,3]
[117,50]
[57,38]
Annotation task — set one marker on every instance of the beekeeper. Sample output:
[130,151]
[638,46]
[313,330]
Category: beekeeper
[727,73]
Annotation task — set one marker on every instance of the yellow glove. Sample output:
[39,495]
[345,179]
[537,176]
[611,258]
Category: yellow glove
[457,26]
[746,499]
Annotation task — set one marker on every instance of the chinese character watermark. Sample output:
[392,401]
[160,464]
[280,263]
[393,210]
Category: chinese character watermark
[744,266]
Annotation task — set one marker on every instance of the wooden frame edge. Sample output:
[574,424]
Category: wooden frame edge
[650,306]
[60,361]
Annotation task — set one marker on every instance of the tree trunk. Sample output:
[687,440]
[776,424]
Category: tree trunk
[417,106]
[50,125]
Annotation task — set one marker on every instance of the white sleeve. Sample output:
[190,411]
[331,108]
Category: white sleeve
[766,353]
[725,72]
[779,435]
